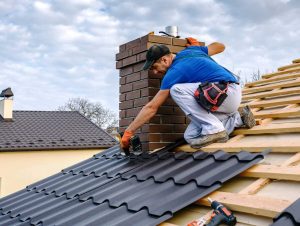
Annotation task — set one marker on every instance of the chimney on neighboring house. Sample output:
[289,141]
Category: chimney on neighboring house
[6,104]
[138,87]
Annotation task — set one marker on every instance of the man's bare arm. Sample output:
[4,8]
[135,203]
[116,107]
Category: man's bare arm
[215,48]
[149,110]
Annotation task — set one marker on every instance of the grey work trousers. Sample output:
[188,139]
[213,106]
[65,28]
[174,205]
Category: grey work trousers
[202,121]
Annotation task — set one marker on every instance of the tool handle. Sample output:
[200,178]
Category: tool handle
[217,220]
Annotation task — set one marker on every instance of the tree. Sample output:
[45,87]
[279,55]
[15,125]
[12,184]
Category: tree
[95,112]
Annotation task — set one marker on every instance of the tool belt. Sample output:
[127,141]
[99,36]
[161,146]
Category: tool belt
[211,95]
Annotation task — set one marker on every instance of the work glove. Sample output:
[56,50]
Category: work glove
[125,141]
[192,42]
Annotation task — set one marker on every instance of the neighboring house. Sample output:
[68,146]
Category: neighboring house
[36,144]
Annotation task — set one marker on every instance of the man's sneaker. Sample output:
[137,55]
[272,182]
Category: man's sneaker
[204,140]
[247,117]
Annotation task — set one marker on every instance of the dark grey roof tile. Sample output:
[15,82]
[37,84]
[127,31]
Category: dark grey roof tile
[290,216]
[31,130]
[110,188]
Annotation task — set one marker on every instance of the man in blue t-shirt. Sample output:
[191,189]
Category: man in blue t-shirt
[183,73]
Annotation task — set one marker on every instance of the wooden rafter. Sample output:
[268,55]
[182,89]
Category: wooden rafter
[259,205]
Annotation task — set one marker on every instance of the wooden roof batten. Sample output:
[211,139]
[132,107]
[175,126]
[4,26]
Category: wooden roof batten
[275,102]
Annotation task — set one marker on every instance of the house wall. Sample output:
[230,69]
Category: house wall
[138,87]
[19,169]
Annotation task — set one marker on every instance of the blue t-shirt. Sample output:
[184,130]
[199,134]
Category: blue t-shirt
[194,65]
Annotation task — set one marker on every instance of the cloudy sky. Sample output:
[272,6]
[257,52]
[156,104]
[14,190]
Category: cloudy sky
[54,50]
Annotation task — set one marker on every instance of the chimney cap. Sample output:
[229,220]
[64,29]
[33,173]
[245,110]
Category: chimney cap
[7,93]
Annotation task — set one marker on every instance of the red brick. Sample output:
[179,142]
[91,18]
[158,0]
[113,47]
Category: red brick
[179,128]
[126,88]
[170,119]
[144,39]
[160,39]
[129,60]
[154,82]
[138,67]
[139,49]
[141,56]
[126,104]
[144,137]
[122,114]
[122,48]
[141,102]
[165,110]
[160,128]
[133,43]
[133,95]
[178,111]
[119,64]
[187,120]
[154,137]
[122,80]
[125,122]
[152,75]
[132,112]
[149,92]
[140,84]
[122,55]
[155,120]
[133,77]
[144,74]
[145,128]
[170,137]
[122,97]
[170,102]
[126,71]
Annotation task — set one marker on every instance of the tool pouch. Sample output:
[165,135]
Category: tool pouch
[211,95]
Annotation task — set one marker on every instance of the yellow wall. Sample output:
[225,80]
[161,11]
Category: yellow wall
[19,169]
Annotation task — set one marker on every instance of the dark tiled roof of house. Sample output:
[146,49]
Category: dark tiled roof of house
[39,130]
[112,189]
[290,216]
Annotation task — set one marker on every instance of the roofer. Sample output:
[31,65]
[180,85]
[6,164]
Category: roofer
[206,92]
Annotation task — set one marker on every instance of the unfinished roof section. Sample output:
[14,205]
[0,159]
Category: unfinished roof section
[49,130]
[265,190]
[290,216]
[111,189]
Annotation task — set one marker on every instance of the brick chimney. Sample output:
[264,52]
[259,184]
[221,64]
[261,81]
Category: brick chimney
[138,87]
[6,104]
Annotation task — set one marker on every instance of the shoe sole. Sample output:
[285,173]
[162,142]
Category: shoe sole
[249,121]
[221,140]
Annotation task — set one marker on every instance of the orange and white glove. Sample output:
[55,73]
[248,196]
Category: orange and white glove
[125,141]
[192,42]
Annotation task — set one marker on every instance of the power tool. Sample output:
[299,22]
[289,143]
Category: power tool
[221,214]
[135,145]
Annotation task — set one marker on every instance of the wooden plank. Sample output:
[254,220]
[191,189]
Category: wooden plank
[237,147]
[280,73]
[270,129]
[283,114]
[273,93]
[258,205]
[260,183]
[274,102]
[294,65]
[291,83]
[274,172]
[255,186]
[269,80]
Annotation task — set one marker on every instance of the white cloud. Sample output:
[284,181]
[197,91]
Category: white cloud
[54,50]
